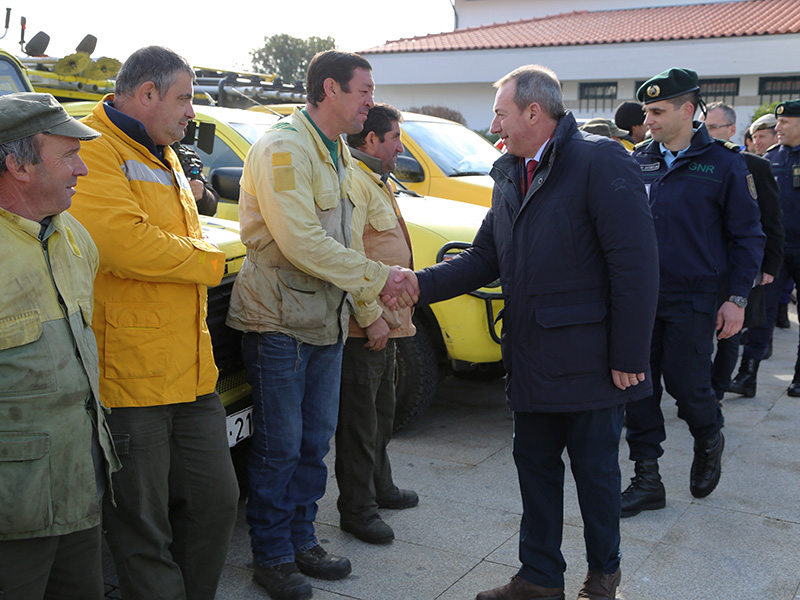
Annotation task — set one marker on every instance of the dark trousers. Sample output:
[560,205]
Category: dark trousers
[758,338]
[366,417]
[63,567]
[683,340]
[176,500]
[592,442]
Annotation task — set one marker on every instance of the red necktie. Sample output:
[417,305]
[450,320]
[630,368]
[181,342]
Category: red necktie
[530,167]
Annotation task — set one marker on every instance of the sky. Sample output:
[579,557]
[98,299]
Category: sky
[220,34]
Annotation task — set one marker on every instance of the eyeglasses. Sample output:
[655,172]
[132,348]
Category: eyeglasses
[715,127]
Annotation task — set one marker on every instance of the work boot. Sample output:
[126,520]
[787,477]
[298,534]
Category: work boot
[600,586]
[315,562]
[794,388]
[398,499]
[744,383]
[768,351]
[282,582]
[706,466]
[520,589]
[645,492]
[783,317]
[372,529]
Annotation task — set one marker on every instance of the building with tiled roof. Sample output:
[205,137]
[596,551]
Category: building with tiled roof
[745,51]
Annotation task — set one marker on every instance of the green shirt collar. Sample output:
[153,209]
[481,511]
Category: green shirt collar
[331,145]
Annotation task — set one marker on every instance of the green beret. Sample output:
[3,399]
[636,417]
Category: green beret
[790,108]
[669,84]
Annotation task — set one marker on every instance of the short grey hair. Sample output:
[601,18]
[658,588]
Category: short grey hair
[25,152]
[152,63]
[727,110]
[539,84]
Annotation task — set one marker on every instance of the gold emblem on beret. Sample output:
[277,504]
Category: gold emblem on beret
[779,110]
[653,91]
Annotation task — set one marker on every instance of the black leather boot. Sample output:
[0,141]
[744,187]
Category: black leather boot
[646,492]
[706,466]
[744,383]
[794,389]
[783,316]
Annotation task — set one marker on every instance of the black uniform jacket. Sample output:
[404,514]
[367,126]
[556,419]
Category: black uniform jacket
[578,263]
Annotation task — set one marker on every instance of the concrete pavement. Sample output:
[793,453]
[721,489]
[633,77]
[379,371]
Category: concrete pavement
[739,543]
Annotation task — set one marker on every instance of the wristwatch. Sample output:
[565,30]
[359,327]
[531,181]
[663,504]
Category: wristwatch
[739,301]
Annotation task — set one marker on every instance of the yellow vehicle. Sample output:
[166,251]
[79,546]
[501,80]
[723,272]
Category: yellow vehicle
[459,335]
[442,158]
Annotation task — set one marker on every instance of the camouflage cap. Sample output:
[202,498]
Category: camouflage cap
[790,108]
[669,84]
[24,114]
[763,122]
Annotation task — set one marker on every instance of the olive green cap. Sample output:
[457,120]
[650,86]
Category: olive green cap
[25,114]
[669,84]
[790,108]
[604,127]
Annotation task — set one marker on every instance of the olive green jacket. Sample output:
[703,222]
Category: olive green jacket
[49,376]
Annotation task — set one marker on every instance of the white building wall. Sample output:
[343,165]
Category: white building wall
[462,80]
[474,13]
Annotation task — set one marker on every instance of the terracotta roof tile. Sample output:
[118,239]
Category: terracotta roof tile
[690,22]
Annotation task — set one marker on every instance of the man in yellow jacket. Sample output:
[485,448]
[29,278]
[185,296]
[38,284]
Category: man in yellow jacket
[176,495]
[293,299]
[367,402]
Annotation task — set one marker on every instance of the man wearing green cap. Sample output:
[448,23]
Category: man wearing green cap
[707,224]
[56,454]
[785,161]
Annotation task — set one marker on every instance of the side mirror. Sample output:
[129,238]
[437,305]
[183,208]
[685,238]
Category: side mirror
[408,169]
[226,181]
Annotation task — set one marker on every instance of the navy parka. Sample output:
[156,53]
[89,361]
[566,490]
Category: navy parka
[578,263]
[706,217]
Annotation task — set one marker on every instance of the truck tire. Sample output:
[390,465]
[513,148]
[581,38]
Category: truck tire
[416,375]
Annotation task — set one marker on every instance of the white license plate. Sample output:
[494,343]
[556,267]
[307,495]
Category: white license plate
[240,426]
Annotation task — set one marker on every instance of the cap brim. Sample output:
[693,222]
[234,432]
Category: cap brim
[74,129]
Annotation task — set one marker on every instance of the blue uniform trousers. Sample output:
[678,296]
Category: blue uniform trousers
[758,338]
[681,347]
[592,441]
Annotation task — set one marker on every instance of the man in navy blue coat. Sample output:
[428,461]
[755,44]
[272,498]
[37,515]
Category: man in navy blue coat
[576,254]
[707,223]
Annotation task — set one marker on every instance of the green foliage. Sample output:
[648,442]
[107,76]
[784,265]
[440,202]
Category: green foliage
[765,109]
[439,111]
[288,56]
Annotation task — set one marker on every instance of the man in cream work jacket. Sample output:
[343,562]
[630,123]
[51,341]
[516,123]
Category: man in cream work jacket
[367,403]
[176,494]
[56,455]
[291,300]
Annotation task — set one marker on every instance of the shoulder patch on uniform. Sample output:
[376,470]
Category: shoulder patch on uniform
[729,145]
[282,172]
[283,125]
[751,186]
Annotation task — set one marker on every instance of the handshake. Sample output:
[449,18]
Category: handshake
[401,289]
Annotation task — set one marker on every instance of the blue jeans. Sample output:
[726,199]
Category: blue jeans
[296,403]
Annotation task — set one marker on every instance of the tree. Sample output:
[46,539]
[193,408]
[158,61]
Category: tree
[765,109]
[439,111]
[287,56]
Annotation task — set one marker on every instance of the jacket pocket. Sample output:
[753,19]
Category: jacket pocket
[25,499]
[302,297]
[26,363]
[572,340]
[136,339]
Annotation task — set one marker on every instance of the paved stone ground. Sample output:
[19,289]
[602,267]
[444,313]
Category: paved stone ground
[739,543]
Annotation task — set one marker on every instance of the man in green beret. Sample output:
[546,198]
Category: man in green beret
[706,217]
[784,159]
[56,453]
